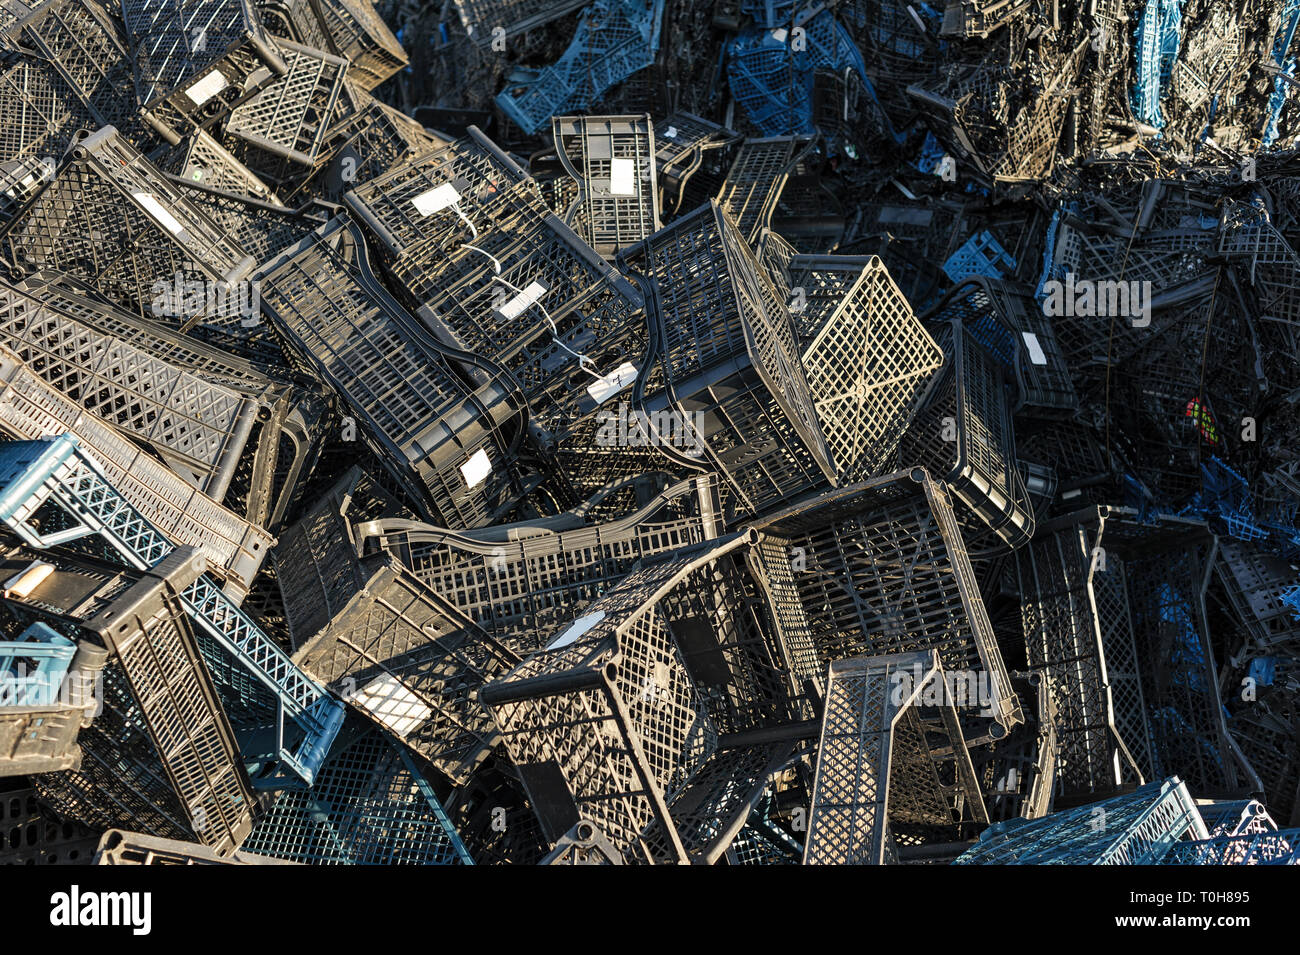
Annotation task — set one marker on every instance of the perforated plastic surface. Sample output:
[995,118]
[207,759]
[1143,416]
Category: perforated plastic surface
[613,160]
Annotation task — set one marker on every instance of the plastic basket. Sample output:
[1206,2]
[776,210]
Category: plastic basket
[106,200]
[881,567]
[523,590]
[38,112]
[861,792]
[614,39]
[292,117]
[357,33]
[202,160]
[620,715]
[868,360]
[370,806]
[613,160]
[422,420]
[733,383]
[964,434]
[682,142]
[755,180]
[1140,829]
[197,59]
[1280,847]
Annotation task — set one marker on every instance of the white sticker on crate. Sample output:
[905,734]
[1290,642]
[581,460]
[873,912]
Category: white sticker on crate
[670,132]
[613,383]
[530,296]
[576,630]
[436,199]
[477,468]
[622,177]
[392,704]
[1035,350]
[779,34]
[207,87]
[159,212]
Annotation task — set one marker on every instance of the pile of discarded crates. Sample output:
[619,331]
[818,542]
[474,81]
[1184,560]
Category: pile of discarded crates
[867,433]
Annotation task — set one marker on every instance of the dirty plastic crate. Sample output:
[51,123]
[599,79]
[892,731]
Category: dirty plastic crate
[292,117]
[39,113]
[881,567]
[869,362]
[356,32]
[368,139]
[421,418]
[107,200]
[965,436]
[1018,775]
[30,834]
[197,59]
[862,794]
[1140,828]
[613,160]
[202,160]
[755,180]
[370,805]
[199,427]
[38,731]
[148,629]
[1063,635]
[522,591]
[234,547]
[595,743]
[682,142]
[118,847]
[734,384]
[614,39]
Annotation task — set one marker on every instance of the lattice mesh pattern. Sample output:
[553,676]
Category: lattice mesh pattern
[756,178]
[613,160]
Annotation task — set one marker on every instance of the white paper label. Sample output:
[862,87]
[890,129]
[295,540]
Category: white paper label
[670,132]
[159,212]
[206,88]
[576,630]
[779,34]
[436,199]
[392,704]
[476,468]
[622,177]
[613,383]
[1035,350]
[530,296]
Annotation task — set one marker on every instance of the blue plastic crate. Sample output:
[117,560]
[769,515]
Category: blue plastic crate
[1157,38]
[981,254]
[614,39]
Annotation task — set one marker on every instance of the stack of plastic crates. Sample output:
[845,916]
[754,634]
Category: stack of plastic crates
[612,158]
[881,567]
[195,60]
[868,360]
[733,381]
[452,442]
[754,182]
[486,20]
[30,834]
[1139,828]
[46,692]
[110,218]
[500,277]
[614,39]
[661,713]
[866,799]
[521,591]
[1267,735]
[370,805]
[683,142]
[1066,634]
[966,437]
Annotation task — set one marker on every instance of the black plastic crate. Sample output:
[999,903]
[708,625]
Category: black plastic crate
[483,18]
[195,60]
[118,847]
[886,762]
[733,385]
[112,219]
[457,441]
[881,567]
[356,32]
[612,158]
[754,182]
[682,143]
[30,834]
